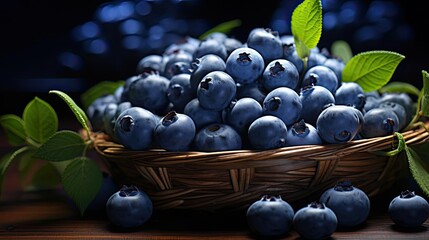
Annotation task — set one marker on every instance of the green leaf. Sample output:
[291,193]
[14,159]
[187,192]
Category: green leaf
[225,27]
[372,69]
[14,129]
[422,151]
[63,145]
[26,166]
[78,112]
[306,26]
[82,180]
[419,169]
[98,90]
[7,159]
[46,177]
[342,50]
[425,97]
[40,120]
[400,87]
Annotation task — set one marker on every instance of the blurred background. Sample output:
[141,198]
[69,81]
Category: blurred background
[72,45]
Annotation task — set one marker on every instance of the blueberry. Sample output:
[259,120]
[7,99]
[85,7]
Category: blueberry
[217,137]
[176,61]
[241,113]
[266,42]
[218,36]
[399,110]
[204,65]
[280,73]
[109,118]
[177,68]
[122,107]
[302,133]
[267,132]
[118,93]
[149,64]
[270,216]
[315,221]
[95,111]
[379,122]
[175,132]
[231,44]
[339,123]
[400,98]
[134,128]
[129,207]
[336,65]
[290,54]
[185,43]
[126,87]
[284,103]
[216,90]
[287,39]
[351,94]
[316,58]
[408,210]
[150,92]
[210,46]
[326,78]
[350,204]
[314,100]
[252,90]
[180,92]
[245,65]
[370,103]
[201,116]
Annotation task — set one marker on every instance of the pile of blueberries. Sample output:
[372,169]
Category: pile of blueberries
[219,94]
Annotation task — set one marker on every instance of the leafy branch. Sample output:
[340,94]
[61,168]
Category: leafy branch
[37,136]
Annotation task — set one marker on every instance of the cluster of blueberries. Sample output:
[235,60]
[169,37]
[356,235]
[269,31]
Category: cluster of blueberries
[219,94]
[343,206]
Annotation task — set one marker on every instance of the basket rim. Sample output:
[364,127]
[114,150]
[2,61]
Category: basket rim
[105,146]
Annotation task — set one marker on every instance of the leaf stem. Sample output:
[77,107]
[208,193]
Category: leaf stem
[32,143]
[418,114]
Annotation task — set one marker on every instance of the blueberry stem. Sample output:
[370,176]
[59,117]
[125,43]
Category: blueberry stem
[300,128]
[317,204]
[343,186]
[407,194]
[169,118]
[128,191]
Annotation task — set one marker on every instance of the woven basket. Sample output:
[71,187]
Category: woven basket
[234,179]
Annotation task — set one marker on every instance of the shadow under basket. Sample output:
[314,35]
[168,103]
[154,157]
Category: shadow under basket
[227,180]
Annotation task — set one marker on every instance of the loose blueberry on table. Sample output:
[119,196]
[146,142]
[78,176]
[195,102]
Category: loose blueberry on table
[315,221]
[409,210]
[350,204]
[270,216]
[129,207]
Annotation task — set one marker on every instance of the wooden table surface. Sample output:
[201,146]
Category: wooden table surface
[47,215]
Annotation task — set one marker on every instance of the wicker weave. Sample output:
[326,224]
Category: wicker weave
[233,179]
